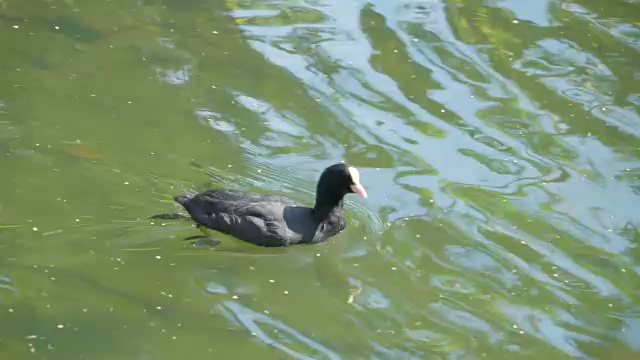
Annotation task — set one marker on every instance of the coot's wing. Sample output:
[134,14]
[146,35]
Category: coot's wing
[259,223]
[215,195]
[251,217]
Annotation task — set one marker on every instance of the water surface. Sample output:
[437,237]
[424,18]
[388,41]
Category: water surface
[498,141]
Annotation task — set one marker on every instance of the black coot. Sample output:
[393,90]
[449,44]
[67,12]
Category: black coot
[270,220]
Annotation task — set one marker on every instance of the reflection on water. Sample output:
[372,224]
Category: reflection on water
[498,142]
[259,323]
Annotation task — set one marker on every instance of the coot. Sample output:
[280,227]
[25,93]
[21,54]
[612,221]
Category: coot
[271,220]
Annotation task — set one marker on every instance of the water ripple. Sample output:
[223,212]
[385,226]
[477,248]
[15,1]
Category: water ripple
[258,324]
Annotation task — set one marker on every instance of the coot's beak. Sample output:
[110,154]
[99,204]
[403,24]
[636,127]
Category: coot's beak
[358,189]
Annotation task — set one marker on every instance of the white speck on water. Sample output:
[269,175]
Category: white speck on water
[272,281]
[286,292]
[266,311]
[60,326]
[158,257]
[126,183]
[253,334]
[57,27]
[624,270]
[610,305]
[235,297]
[77,220]
[523,242]
[521,332]
[394,268]
[35,228]
[16,26]
[442,110]
[10,310]
[515,326]
[84,310]
[417,235]
[173,337]
[317,254]
[516,21]
[251,268]
[159,307]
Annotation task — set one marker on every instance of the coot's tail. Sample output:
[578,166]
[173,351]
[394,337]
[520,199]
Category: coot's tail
[181,199]
[174,216]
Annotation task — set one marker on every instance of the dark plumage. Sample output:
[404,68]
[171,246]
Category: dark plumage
[271,220]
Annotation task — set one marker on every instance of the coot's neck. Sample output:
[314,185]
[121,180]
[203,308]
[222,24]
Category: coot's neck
[328,203]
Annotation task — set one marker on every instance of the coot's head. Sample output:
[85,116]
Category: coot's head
[340,179]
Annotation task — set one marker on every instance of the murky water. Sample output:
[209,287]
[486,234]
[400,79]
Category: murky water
[498,142]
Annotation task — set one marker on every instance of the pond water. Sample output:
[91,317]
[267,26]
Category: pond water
[498,142]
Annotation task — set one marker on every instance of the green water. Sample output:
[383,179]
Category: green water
[498,142]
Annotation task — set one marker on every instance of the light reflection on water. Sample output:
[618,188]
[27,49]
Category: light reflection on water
[555,179]
[261,325]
